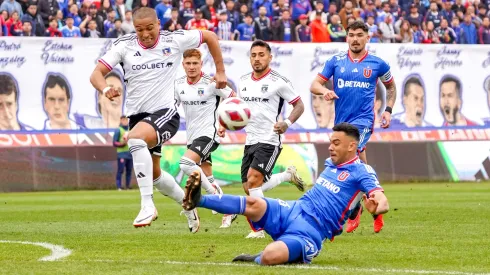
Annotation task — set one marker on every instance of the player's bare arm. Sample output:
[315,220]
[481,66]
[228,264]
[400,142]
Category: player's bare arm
[298,109]
[390,102]
[318,88]
[211,39]
[377,203]
[98,81]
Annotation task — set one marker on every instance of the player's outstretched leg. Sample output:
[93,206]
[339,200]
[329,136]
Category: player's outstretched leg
[378,223]
[167,185]
[290,175]
[355,218]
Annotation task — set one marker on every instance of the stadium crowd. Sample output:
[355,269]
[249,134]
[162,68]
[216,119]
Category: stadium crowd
[389,21]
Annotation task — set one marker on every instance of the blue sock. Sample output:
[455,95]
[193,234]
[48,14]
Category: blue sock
[258,259]
[224,204]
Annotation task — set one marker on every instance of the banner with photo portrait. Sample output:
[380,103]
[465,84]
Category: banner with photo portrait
[44,85]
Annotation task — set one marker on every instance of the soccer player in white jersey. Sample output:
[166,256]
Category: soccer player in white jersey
[150,59]
[265,91]
[200,99]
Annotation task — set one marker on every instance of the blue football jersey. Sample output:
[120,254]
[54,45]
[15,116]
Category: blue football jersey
[354,82]
[336,192]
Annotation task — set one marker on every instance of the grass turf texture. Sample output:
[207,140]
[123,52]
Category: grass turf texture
[430,227]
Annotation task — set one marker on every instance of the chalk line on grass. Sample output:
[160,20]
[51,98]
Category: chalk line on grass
[57,251]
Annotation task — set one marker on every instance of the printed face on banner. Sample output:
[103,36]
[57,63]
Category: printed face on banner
[414,104]
[111,111]
[450,102]
[8,112]
[57,105]
[323,110]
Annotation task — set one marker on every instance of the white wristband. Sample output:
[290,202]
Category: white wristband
[288,122]
[106,89]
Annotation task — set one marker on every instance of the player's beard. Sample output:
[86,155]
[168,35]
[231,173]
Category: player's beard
[259,69]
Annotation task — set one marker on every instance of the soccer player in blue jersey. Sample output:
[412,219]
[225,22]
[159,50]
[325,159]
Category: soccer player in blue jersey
[355,74]
[299,227]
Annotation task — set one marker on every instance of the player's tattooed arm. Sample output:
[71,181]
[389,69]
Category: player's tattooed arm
[298,109]
[390,94]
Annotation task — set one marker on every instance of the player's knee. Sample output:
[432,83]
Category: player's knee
[254,179]
[273,257]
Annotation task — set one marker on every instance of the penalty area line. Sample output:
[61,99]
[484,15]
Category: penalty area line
[57,251]
[304,267]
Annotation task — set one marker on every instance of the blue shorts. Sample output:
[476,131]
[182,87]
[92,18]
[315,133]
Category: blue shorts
[364,136]
[287,222]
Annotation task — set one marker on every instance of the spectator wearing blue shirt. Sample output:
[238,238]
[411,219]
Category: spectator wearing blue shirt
[299,7]
[70,30]
[164,11]
[77,20]
[373,30]
[37,22]
[187,13]
[303,31]
[245,31]
[26,29]
[447,12]
[109,22]
[469,30]
[267,4]
[11,6]
[460,39]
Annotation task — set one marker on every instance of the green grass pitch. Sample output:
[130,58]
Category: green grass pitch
[439,228]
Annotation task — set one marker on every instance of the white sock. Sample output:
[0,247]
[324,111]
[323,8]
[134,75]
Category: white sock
[275,180]
[211,179]
[143,168]
[188,166]
[256,192]
[167,185]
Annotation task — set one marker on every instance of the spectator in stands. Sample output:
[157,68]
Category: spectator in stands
[52,30]
[484,32]
[319,32]
[482,12]
[319,8]
[346,12]
[332,10]
[448,12]
[460,39]
[187,13]
[418,35]
[433,15]
[267,4]
[395,10]
[99,21]
[109,22]
[117,31]
[124,157]
[369,11]
[35,19]
[299,7]
[232,15]
[59,18]
[373,29]
[14,24]
[475,19]
[277,12]
[11,6]
[303,31]
[225,28]
[458,6]
[91,31]
[164,11]
[84,9]
[106,8]
[383,13]
[406,33]
[414,17]
[245,31]
[174,23]
[336,30]
[56,101]
[74,14]
[70,30]
[210,11]
[243,13]
[140,3]
[283,29]
[469,30]
[198,23]
[120,9]
[387,30]
[46,9]
[445,33]
[264,30]
[9,104]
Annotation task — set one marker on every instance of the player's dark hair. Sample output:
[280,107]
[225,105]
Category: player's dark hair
[8,85]
[261,43]
[357,25]
[415,80]
[457,82]
[349,130]
[52,80]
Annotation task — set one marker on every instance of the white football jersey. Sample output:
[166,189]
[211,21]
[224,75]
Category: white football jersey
[149,73]
[200,101]
[265,97]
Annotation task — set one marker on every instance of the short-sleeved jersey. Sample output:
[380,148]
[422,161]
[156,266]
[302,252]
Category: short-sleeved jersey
[200,101]
[336,192]
[265,97]
[150,73]
[354,82]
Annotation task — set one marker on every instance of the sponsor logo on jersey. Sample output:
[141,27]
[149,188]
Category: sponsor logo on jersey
[137,54]
[343,176]
[327,184]
[182,92]
[194,102]
[255,99]
[200,91]
[152,66]
[367,72]
[166,51]
[355,70]
[352,84]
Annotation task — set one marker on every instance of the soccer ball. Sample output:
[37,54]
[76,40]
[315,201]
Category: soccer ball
[233,113]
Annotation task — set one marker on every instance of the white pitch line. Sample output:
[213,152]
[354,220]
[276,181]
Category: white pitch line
[307,267]
[57,251]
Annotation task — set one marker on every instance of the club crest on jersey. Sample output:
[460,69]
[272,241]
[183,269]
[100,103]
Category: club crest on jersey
[343,176]
[265,88]
[200,91]
[342,70]
[166,51]
[367,72]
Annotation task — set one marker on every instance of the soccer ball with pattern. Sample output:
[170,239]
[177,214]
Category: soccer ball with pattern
[233,113]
